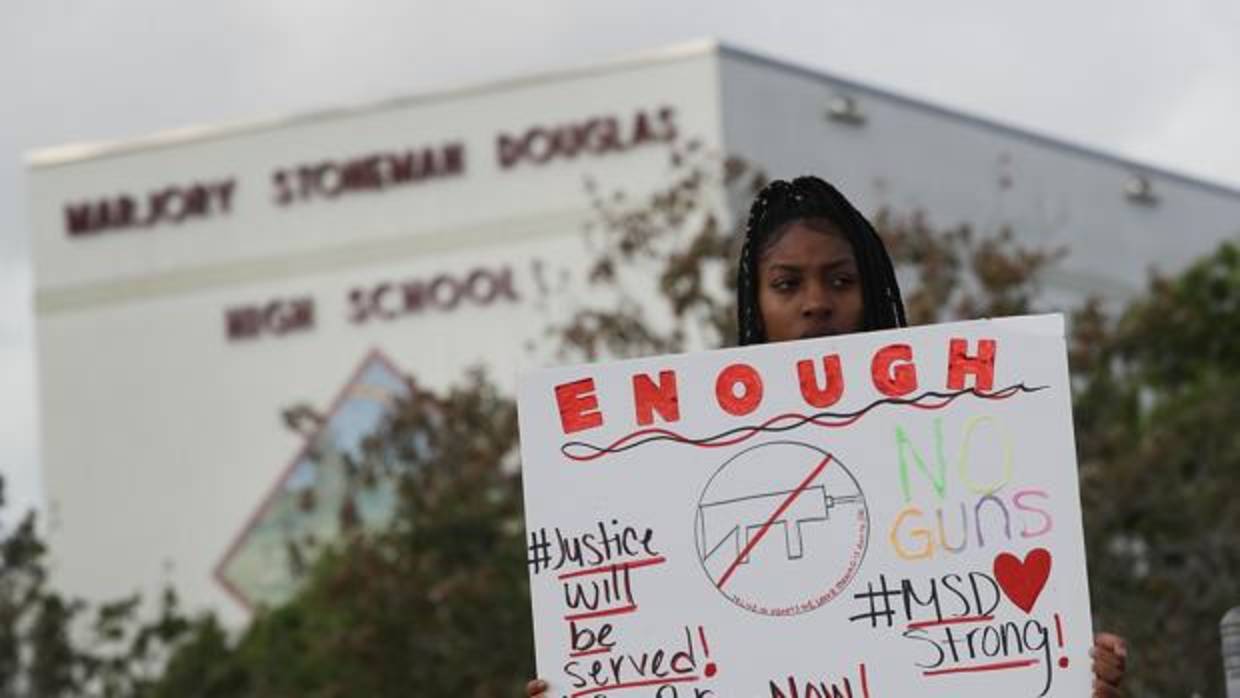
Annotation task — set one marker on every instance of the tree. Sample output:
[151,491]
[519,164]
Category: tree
[436,604]
[53,646]
[1160,465]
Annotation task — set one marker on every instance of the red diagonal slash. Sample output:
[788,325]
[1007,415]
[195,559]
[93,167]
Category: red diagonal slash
[770,521]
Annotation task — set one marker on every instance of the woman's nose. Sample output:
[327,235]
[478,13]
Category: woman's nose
[817,300]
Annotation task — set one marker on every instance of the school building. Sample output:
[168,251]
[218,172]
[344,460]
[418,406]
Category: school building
[193,285]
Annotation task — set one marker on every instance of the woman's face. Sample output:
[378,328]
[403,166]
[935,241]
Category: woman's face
[808,285]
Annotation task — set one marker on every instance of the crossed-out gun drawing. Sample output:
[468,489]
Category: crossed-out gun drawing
[724,520]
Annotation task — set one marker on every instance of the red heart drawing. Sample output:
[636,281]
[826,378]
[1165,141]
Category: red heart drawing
[1022,582]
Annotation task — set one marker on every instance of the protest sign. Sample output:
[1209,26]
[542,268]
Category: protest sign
[880,514]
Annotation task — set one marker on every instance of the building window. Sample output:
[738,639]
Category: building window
[844,109]
[1139,190]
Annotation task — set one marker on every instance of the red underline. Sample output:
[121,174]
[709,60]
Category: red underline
[983,667]
[949,621]
[771,520]
[632,684]
[616,566]
[605,612]
[587,653]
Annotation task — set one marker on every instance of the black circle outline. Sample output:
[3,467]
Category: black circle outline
[697,514]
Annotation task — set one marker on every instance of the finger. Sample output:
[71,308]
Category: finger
[1104,690]
[1112,642]
[536,688]
[1112,674]
[1108,664]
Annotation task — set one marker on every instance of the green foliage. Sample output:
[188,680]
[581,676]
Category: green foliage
[678,236]
[960,275]
[1160,462]
[52,646]
[437,604]
[204,666]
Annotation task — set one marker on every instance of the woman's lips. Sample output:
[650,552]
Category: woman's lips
[820,332]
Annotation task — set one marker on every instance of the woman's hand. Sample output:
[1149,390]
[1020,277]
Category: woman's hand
[536,689]
[1110,654]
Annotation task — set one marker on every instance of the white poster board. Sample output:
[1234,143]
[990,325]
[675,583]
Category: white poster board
[882,514]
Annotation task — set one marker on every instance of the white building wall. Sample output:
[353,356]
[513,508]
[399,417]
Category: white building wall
[161,436]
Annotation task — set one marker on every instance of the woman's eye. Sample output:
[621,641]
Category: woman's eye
[842,281]
[784,284]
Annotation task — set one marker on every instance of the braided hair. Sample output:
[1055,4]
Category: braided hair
[811,200]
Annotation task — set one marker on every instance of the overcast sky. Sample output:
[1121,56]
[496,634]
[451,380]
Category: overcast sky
[1153,80]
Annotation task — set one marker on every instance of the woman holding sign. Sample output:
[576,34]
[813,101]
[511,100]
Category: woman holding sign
[813,266]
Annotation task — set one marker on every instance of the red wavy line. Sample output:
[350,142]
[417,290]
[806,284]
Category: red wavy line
[750,432]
